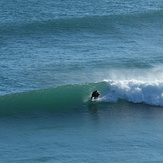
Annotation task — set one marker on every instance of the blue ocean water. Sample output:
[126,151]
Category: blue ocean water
[53,54]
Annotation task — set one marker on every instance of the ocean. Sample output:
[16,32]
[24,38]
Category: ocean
[54,54]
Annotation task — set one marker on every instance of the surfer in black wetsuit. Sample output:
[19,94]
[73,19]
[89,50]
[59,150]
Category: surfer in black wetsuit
[95,95]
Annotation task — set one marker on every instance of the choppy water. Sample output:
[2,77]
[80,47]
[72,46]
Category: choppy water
[53,54]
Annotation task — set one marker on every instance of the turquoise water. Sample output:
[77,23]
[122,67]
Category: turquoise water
[53,54]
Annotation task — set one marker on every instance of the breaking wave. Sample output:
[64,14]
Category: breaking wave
[69,97]
[148,92]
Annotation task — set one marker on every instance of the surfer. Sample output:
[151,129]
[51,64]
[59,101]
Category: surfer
[95,95]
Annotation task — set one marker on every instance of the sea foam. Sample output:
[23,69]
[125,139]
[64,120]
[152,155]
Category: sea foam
[148,92]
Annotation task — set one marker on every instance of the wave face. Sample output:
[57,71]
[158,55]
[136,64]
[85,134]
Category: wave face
[70,97]
[62,98]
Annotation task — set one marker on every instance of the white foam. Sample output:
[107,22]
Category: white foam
[149,92]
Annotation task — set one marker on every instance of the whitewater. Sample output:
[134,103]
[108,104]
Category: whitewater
[54,54]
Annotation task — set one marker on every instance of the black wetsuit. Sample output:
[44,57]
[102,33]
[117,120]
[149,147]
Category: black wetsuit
[95,95]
